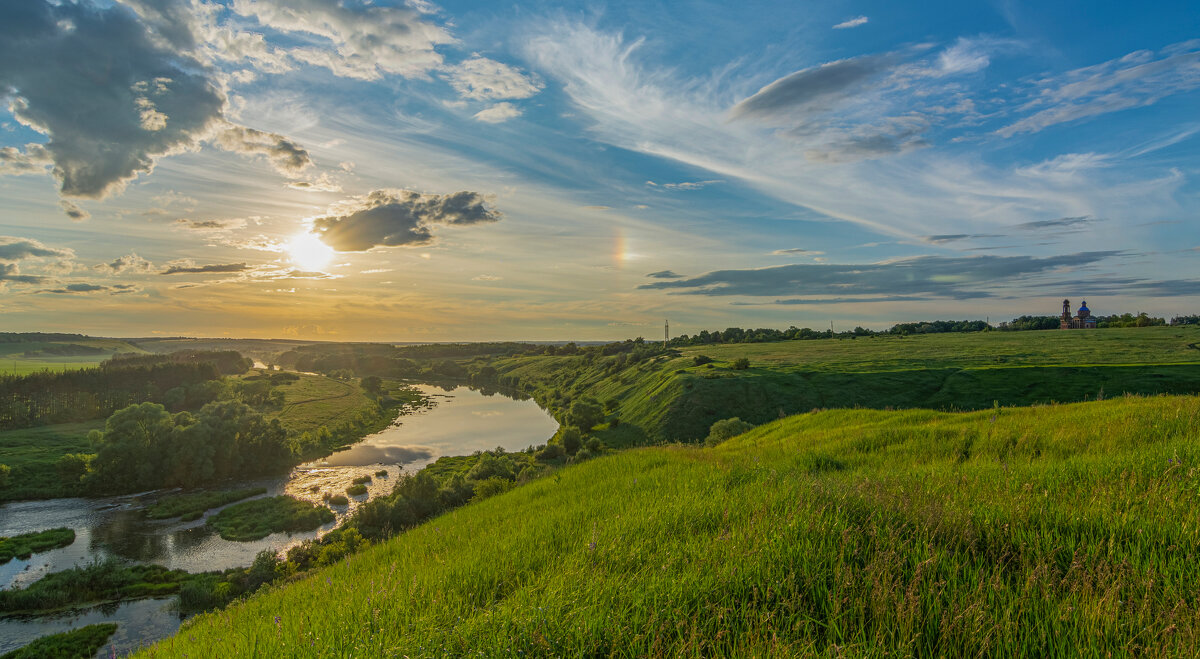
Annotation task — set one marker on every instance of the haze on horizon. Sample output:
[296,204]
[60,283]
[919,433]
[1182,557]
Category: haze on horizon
[411,171]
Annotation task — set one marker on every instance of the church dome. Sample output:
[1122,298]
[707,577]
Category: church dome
[1083,309]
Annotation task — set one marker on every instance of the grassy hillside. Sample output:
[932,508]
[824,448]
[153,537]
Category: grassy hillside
[1046,531]
[673,399]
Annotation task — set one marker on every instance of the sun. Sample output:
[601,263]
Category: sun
[307,252]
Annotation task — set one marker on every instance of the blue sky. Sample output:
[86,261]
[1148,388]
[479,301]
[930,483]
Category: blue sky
[468,171]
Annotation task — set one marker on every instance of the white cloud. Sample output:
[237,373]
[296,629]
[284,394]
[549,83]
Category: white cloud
[498,113]
[1138,79]
[483,79]
[853,22]
[365,41]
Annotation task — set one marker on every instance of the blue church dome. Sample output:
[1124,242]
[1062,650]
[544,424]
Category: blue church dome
[1083,307]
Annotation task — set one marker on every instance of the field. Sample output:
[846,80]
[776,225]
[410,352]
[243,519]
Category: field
[20,358]
[315,400]
[32,454]
[674,399]
[1062,530]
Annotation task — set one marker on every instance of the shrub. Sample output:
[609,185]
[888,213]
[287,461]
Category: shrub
[552,453]
[701,360]
[358,489]
[338,500]
[382,473]
[595,445]
[361,480]
[571,440]
[741,364]
[724,429]
[491,487]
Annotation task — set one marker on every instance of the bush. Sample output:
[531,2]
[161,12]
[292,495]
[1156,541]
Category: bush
[726,428]
[741,364]
[361,480]
[701,360]
[571,440]
[585,414]
[491,487]
[382,473]
[552,453]
[338,500]
[358,489]
[595,445]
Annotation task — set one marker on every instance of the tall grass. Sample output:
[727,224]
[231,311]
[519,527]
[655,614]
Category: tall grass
[1048,531]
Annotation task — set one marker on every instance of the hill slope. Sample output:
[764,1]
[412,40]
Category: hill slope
[1046,531]
[674,399]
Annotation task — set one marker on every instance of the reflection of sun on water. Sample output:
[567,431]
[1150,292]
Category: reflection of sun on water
[307,252]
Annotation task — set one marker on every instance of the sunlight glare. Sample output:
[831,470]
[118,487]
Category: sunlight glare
[307,252]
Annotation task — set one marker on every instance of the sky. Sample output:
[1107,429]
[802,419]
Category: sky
[463,171]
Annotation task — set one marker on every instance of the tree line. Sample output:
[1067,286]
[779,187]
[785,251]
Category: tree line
[78,395]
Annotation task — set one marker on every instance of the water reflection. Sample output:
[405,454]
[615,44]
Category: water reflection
[462,421]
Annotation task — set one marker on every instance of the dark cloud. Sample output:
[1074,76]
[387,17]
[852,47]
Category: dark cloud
[11,272]
[17,249]
[74,211]
[665,274]
[114,93]
[796,251]
[942,239]
[110,99]
[850,300]
[813,89]
[287,157]
[187,267]
[389,218]
[943,277]
[83,288]
[1060,223]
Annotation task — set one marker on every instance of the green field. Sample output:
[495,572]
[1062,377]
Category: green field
[32,454]
[315,400]
[1063,530]
[21,358]
[672,399]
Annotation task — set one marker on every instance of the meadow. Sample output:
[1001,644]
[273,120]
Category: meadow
[664,398]
[1058,530]
[33,454]
[21,358]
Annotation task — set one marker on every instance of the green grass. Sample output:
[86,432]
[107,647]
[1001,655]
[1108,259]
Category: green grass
[27,544]
[32,454]
[315,400]
[82,643]
[31,357]
[357,489]
[108,581]
[192,506]
[1045,531]
[259,518]
[672,399]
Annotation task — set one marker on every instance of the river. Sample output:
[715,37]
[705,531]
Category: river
[460,422]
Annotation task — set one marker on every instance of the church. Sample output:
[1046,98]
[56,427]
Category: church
[1083,320]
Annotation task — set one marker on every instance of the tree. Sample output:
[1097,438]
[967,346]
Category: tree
[726,428]
[741,364]
[372,384]
[585,413]
[571,439]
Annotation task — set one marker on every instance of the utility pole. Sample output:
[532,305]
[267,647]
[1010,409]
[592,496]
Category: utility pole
[667,331]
